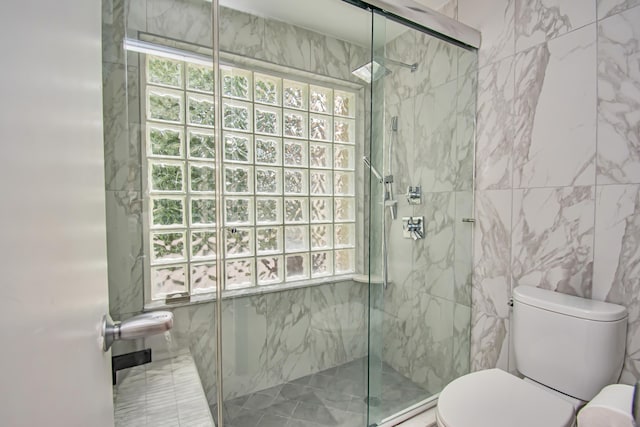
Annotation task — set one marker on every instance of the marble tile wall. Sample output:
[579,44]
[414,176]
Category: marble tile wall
[557,173]
[427,305]
[122,167]
[189,21]
[272,338]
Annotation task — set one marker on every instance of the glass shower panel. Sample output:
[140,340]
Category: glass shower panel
[295,128]
[423,93]
[160,168]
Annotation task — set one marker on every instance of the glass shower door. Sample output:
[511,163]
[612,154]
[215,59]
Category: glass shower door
[422,145]
[294,317]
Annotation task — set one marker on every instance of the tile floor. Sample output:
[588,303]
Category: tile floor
[334,397]
[165,393]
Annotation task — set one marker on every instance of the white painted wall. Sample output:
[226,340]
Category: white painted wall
[53,286]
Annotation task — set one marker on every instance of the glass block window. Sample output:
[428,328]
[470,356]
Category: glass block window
[181,177]
[288,170]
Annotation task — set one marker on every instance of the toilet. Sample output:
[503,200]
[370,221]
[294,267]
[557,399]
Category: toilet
[567,348]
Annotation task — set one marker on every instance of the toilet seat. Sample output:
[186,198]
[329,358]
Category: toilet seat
[494,398]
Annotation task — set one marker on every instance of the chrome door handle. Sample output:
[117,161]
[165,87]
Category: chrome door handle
[140,326]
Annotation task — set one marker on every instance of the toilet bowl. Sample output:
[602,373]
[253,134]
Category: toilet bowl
[567,348]
[494,398]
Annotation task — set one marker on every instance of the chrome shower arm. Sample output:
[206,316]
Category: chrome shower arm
[413,67]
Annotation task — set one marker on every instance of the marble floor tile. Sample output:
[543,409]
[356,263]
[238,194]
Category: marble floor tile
[333,397]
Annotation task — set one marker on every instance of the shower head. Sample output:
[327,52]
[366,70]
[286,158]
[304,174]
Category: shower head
[368,164]
[374,70]
[371,71]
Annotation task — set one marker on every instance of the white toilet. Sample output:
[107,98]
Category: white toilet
[567,348]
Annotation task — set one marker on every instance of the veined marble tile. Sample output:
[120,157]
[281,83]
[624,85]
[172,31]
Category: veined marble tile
[467,62]
[436,364]
[287,45]
[419,344]
[449,8]
[135,15]
[288,320]
[555,112]
[616,249]
[616,266]
[553,239]
[134,116]
[463,259]
[495,132]
[619,98]
[244,346]
[466,94]
[125,252]
[338,328]
[461,339]
[610,7]
[437,62]
[107,11]
[435,157]
[495,20]
[434,256]
[489,341]
[330,56]
[185,20]
[241,33]
[540,20]
[113,31]
[122,156]
[492,253]
[401,83]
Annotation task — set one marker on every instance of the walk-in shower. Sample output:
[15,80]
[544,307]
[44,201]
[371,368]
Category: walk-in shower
[256,189]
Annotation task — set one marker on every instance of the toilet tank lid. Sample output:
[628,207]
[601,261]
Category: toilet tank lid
[569,305]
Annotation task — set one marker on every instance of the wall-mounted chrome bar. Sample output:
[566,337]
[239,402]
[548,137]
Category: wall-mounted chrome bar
[141,46]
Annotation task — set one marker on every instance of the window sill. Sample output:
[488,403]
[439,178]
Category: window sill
[254,290]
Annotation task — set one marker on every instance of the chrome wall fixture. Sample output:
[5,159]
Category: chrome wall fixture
[140,326]
[414,195]
[413,227]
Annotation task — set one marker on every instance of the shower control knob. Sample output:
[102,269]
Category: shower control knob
[140,326]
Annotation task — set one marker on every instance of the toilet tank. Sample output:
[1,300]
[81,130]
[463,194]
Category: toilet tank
[571,344]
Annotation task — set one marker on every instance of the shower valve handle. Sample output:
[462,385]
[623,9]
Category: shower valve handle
[140,326]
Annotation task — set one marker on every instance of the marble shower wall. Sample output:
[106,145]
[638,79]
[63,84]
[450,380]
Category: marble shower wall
[189,21]
[427,305]
[557,161]
[269,338]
